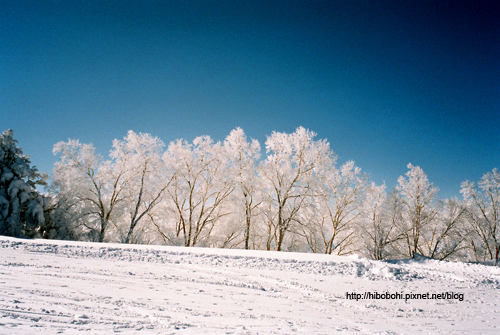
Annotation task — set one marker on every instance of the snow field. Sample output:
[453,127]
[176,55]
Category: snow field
[60,287]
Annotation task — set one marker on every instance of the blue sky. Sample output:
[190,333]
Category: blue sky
[386,82]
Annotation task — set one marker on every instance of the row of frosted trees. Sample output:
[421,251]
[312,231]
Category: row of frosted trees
[296,198]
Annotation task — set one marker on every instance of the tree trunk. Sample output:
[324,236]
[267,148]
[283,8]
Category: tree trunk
[247,231]
[104,223]
[129,235]
[497,249]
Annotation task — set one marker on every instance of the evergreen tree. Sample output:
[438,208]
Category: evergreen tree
[21,206]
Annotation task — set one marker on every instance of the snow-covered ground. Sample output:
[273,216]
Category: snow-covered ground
[56,287]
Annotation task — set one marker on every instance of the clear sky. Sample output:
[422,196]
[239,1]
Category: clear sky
[385,82]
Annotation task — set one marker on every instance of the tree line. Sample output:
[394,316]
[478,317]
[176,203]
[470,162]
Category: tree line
[224,195]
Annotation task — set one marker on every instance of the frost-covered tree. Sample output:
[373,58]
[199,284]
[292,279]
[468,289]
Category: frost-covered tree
[242,158]
[21,206]
[61,221]
[328,221]
[139,156]
[377,224]
[309,225]
[393,216]
[445,237]
[483,214]
[198,192]
[93,187]
[346,189]
[292,173]
[419,207]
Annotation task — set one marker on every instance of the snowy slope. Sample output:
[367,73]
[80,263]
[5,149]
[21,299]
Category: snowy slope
[56,287]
